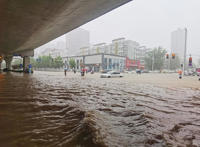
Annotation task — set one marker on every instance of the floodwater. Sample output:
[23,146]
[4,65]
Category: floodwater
[49,110]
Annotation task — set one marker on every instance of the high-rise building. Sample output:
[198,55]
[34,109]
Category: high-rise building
[178,42]
[77,39]
[65,45]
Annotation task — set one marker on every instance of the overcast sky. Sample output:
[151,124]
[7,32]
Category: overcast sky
[149,22]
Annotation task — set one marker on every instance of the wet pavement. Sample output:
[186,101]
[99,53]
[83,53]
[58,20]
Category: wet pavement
[47,110]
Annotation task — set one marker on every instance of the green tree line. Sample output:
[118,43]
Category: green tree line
[156,60]
[72,63]
[47,62]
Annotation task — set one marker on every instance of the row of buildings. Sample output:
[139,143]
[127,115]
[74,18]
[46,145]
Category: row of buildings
[98,62]
[120,54]
[120,46]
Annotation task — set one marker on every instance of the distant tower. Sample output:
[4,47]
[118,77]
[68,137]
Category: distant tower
[77,39]
[179,44]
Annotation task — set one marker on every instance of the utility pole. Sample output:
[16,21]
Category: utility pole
[169,64]
[185,50]
[152,67]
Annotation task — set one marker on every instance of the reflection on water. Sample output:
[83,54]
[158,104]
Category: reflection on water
[48,110]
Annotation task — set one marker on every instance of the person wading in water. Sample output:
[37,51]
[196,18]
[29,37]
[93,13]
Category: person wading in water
[180,74]
[65,71]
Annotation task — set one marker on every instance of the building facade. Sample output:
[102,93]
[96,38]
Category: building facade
[133,64]
[178,42]
[133,53]
[97,62]
[120,47]
[124,47]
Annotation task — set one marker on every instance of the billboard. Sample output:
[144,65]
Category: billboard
[95,59]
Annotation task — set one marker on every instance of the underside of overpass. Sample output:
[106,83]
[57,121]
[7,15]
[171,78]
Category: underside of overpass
[28,24]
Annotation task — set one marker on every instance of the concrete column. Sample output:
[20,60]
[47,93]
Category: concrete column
[26,62]
[8,60]
[0,63]
[1,60]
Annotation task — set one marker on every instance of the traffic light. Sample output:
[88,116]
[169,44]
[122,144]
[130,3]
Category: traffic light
[190,61]
[167,56]
[173,56]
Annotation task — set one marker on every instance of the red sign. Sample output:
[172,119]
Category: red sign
[132,63]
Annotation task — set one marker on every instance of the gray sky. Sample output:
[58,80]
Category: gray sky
[149,22]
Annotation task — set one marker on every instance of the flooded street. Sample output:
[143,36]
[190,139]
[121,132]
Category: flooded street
[48,110]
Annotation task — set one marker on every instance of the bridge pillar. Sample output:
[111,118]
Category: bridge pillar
[8,60]
[26,62]
[0,63]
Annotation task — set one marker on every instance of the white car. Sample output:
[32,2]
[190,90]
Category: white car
[111,74]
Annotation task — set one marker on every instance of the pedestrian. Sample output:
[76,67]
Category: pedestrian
[65,71]
[30,68]
[21,66]
[180,74]
[83,72]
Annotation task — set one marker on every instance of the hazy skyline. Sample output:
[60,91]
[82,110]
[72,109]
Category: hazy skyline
[149,22]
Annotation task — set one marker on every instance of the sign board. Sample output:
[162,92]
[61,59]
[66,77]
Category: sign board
[97,59]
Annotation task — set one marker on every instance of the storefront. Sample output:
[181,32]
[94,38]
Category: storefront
[98,62]
[133,64]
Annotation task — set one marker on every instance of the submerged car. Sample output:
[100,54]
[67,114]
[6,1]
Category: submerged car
[138,71]
[145,71]
[112,74]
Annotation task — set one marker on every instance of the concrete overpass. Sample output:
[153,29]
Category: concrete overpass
[28,24]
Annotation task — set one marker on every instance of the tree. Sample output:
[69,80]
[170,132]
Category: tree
[47,62]
[175,63]
[154,59]
[58,62]
[33,62]
[148,60]
[72,63]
